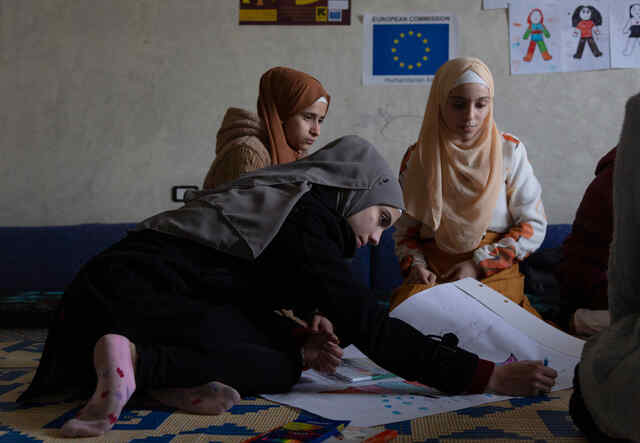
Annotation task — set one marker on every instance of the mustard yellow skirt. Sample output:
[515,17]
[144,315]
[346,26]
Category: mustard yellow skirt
[509,282]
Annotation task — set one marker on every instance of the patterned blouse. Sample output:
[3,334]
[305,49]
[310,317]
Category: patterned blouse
[519,215]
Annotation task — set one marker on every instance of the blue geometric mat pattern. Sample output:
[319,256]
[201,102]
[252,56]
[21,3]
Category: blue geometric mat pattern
[534,419]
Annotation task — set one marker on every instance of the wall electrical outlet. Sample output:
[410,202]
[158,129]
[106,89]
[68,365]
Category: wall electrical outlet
[178,192]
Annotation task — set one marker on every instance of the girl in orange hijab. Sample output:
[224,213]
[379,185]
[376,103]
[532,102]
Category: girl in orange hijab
[291,107]
[473,206]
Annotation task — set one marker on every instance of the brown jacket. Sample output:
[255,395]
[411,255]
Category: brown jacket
[241,146]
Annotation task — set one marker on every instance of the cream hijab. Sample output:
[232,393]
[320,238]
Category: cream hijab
[453,190]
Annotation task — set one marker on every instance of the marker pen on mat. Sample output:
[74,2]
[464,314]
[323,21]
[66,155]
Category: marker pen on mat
[546,361]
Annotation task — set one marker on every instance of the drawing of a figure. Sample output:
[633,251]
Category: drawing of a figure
[537,31]
[586,20]
[632,28]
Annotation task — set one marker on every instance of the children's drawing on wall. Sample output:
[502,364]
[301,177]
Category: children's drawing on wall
[632,29]
[534,36]
[565,35]
[536,32]
[625,34]
[586,20]
[586,36]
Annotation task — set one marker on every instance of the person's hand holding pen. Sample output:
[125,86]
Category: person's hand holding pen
[545,362]
[527,377]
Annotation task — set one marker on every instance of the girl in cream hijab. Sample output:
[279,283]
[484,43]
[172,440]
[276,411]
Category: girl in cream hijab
[473,203]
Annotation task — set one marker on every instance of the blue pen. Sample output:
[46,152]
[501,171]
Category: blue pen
[546,363]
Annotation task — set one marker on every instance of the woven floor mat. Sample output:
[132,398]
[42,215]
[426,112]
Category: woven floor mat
[537,419]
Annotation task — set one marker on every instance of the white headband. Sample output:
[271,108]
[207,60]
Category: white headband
[469,77]
[322,99]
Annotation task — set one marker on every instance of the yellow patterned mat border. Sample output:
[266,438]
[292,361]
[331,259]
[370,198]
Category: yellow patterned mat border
[540,419]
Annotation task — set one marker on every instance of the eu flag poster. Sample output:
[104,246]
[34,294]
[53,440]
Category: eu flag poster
[406,49]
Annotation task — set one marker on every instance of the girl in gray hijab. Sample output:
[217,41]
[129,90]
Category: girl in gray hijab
[182,309]
[607,385]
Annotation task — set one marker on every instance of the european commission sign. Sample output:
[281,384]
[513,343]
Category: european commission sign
[406,49]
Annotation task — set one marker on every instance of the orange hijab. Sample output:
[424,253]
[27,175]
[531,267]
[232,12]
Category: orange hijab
[283,93]
[452,189]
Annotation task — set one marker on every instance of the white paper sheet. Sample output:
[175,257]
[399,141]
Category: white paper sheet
[484,323]
[589,58]
[490,325]
[495,4]
[625,34]
[527,323]
[401,401]
[543,38]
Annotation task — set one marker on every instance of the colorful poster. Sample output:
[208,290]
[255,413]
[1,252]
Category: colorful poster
[535,37]
[295,12]
[407,48]
[559,36]
[625,34]
[586,36]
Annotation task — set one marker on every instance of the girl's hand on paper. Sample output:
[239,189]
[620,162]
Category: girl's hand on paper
[420,274]
[525,377]
[467,268]
[322,353]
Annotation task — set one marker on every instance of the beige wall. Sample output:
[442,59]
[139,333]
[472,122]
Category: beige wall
[104,105]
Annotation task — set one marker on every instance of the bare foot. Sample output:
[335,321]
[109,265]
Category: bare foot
[113,357]
[212,398]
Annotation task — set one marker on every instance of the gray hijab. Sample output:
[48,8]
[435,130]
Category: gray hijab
[242,217]
[610,363]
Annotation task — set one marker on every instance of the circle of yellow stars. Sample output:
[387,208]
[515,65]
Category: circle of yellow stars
[413,63]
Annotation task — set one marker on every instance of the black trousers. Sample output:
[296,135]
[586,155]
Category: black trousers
[175,301]
[592,44]
[239,355]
